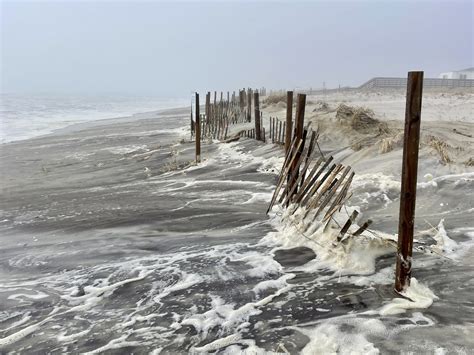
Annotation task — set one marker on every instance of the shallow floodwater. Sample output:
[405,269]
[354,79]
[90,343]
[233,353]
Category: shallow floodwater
[113,241]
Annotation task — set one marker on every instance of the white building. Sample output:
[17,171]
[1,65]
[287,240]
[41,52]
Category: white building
[460,74]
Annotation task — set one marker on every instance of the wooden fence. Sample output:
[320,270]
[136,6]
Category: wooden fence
[313,181]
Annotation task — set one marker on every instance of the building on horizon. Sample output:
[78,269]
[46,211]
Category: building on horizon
[467,73]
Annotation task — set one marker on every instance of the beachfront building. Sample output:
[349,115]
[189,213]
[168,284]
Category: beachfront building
[467,73]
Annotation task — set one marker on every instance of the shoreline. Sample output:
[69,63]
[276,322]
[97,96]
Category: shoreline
[117,225]
[69,127]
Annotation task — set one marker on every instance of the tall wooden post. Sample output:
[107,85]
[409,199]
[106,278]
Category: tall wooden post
[289,119]
[249,105]
[192,122]
[198,131]
[256,103]
[409,175]
[299,118]
[299,129]
[208,106]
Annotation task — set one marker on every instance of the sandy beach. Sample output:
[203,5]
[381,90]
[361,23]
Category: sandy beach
[114,240]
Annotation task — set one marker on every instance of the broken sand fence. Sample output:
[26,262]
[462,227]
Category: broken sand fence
[214,123]
[240,108]
[320,186]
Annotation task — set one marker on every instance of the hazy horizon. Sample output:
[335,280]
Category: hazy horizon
[171,49]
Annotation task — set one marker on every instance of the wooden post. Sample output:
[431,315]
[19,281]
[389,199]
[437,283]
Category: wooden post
[256,103]
[208,106]
[409,175]
[192,122]
[198,131]
[289,119]
[299,127]
[300,108]
[271,130]
[249,105]
[279,132]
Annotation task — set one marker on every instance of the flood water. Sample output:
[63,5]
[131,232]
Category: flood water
[113,241]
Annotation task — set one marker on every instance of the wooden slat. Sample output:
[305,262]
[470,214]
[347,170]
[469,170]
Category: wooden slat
[293,154]
[309,184]
[328,180]
[347,225]
[338,200]
[332,191]
[317,185]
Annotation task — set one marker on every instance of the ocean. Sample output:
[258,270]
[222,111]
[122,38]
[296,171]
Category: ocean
[27,116]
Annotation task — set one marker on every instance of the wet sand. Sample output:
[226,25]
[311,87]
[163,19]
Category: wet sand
[112,240]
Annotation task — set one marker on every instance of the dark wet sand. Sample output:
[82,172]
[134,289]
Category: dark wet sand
[111,241]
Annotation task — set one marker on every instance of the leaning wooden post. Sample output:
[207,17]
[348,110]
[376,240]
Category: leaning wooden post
[409,174]
[198,131]
[289,119]
[256,103]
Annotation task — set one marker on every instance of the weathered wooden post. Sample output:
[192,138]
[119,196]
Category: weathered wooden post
[271,130]
[299,130]
[280,139]
[289,119]
[208,106]
[256,103]
[192,122]
[198,131]
[249,105]
[409,175]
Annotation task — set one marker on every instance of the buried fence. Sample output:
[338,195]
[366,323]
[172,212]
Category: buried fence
[316,183]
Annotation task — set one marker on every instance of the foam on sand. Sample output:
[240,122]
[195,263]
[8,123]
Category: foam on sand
[417,296]
[357,255]
[444,244]
[329,339]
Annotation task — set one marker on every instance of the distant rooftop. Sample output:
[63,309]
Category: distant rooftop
[467,69]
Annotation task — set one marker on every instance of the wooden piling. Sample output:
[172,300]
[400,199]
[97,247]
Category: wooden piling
[409,175]
[299,127]
[249,105]
[256,103]
[279,132]
[208,106]
[192,121]
[289,119]
[272,129]
[198,131]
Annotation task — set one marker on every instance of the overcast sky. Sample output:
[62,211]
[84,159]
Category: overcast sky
[173,48]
